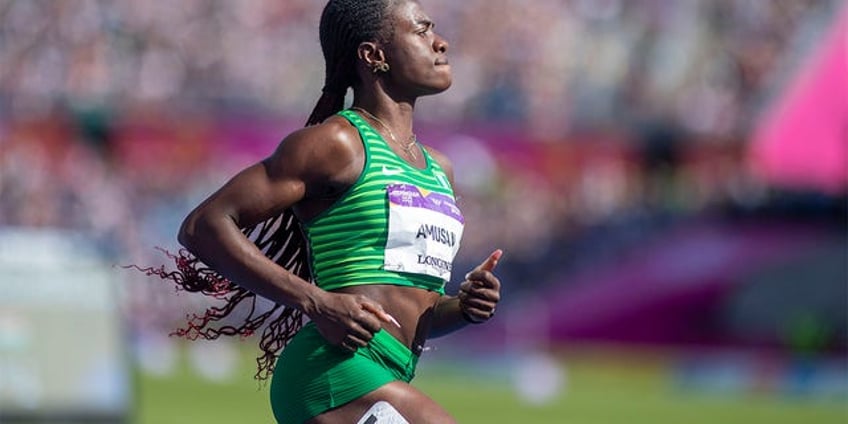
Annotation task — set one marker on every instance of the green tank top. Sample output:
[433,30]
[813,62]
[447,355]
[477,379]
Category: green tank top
[395,225]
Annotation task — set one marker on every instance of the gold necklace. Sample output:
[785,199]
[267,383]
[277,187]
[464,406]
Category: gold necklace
[408,148]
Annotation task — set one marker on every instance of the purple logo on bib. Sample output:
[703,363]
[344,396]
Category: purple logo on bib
[411,196]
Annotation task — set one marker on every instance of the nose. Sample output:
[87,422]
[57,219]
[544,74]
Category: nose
[440,45]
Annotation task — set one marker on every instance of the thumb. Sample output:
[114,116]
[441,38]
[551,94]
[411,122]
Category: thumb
[492,261]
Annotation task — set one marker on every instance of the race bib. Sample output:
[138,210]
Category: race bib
[424,231]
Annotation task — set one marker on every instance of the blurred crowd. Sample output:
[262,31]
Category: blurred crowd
[551,65]
[612,110]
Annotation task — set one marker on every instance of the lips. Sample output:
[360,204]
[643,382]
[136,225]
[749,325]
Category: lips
[442,62]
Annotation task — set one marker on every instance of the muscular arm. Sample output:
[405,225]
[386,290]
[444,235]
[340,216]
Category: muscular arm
[212,233]
[303,163]
[305,172]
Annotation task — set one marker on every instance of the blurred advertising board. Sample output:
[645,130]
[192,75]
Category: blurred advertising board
[62,345]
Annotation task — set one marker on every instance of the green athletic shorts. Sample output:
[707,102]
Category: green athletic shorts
[311,376]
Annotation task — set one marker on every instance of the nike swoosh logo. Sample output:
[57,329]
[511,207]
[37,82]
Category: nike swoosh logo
[391,171]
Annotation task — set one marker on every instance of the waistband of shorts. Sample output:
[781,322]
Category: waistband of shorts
[393,350]
[383,345]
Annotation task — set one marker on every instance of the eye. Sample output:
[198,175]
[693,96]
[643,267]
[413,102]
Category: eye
[425,28]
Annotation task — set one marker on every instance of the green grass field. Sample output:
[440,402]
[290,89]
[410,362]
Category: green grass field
[598,391]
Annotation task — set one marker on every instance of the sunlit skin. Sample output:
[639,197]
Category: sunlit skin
[418,56]
[309,171]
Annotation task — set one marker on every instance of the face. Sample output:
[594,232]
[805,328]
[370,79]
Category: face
[416,53]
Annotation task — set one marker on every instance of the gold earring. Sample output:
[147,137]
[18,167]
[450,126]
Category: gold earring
[380,67]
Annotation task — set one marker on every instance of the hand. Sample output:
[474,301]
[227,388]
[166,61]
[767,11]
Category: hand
[349,320]
[481,291]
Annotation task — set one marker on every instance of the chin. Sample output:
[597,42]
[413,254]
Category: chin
[429,91]
[445,85]
[440,86]
[447,77]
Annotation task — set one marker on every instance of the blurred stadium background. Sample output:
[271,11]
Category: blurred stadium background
[668,181]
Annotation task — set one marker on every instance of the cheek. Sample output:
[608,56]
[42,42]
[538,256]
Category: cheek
[417,67]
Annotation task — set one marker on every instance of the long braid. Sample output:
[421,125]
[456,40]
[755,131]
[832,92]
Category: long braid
[344,25]
[281,239]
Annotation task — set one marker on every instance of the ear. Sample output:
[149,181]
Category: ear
[370,54]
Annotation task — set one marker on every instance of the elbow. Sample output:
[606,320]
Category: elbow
[188,233]
[204,227]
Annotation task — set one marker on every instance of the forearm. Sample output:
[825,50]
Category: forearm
[216,240]
[447,317]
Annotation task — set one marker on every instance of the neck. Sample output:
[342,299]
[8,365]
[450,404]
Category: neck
[396,114]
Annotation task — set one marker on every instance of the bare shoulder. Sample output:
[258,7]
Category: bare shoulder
[319,150]
[335,135]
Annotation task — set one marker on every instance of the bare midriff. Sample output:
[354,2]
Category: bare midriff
[412,307]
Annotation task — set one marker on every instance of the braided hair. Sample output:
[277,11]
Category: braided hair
[344,25]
